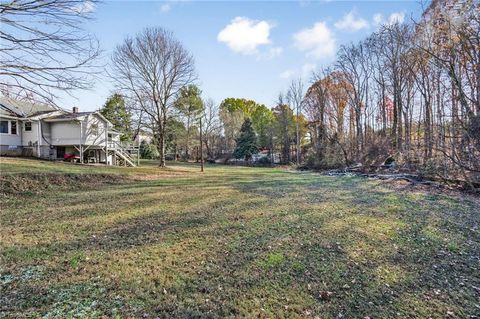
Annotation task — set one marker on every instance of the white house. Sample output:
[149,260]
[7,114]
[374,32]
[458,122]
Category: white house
[142,136]
[47,132]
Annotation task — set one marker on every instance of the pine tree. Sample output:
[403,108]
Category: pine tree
[246,142]
[116,112]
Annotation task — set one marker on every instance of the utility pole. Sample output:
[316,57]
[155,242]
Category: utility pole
[298,133]
[201,146]
[138,152]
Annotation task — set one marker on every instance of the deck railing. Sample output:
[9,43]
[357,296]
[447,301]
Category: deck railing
[127,150]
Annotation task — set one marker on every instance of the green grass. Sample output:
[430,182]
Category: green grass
[234,242]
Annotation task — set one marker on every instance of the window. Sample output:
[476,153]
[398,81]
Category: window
[13,127]
[4,127]
[28,126]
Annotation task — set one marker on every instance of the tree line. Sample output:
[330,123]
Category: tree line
[408,92]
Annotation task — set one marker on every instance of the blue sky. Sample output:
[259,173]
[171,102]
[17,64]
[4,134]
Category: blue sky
[242,49]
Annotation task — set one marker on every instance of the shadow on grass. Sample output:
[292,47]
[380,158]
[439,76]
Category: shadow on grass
[247,245]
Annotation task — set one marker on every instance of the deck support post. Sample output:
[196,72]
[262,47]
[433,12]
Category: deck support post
[106,144]
[81,145]
[138,152]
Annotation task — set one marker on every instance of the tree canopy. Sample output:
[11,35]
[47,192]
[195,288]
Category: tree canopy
[189,101]
[235,110]
[115,111]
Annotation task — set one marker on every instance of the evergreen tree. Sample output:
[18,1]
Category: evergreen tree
[115,111]
[233,112]
[246,142]
[148,150]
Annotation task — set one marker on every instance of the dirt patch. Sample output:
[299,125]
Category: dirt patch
[36,183]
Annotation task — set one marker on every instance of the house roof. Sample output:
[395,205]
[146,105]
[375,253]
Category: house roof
[144,132]
[70,116]
[75,116]
[12,107]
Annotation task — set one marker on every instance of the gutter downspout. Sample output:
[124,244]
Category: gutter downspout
[20,128]
[106,144]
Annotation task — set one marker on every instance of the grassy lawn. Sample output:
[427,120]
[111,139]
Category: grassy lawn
[234,242]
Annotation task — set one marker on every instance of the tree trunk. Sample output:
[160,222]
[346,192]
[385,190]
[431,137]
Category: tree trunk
[428,129]
[395,115]
[358,123]
[161,148]
[187,139]
[399,122]
[384,113]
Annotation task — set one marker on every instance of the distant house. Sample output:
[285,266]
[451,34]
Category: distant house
[47,132]
[143,135]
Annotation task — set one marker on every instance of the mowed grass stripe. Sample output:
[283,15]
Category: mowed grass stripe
[235,242]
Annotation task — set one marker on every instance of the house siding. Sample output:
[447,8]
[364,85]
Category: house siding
[30,138]
[65,133]
[11,144]
[95,130]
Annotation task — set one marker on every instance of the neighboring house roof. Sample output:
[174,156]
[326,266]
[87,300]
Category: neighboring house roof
[144,133]
[9,106]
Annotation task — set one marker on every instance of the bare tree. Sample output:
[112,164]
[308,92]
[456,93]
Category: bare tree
[418,84]
[151,68]
[315,102]
[44,49]
[295,95]
[351,62]
[211,127]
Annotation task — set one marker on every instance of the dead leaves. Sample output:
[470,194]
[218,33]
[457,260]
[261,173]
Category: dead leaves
[325,295]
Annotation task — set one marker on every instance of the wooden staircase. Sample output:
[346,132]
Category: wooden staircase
[120,155]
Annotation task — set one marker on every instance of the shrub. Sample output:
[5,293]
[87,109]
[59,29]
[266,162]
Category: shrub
[148,150]
[264,161]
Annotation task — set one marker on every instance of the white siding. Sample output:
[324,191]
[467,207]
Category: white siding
[65,133]
[8,139]
[95,130]
[68,133]
[30,138]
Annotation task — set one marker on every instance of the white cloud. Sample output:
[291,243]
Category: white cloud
[165,7]
[396,17]
[85,7]
[351,23]
[244,35]
[318,41]
[287,74]
[377,19]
